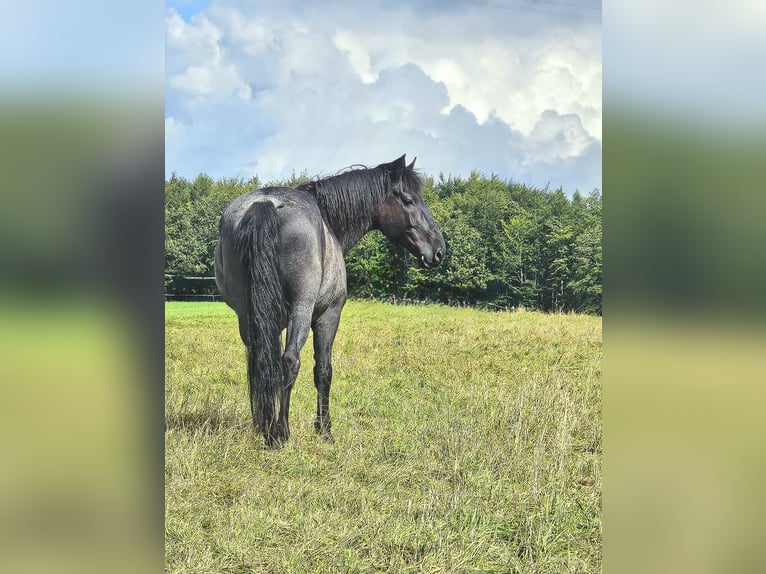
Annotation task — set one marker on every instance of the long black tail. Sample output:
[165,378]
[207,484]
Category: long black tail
[258,245]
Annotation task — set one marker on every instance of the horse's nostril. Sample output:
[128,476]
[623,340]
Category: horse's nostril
[438,255]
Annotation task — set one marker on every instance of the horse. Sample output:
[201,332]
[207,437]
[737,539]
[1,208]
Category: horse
[279,265]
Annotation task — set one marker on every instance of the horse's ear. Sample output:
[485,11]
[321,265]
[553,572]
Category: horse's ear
[412,165]
[396,168]
[398,165]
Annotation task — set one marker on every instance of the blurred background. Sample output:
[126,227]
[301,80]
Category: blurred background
[81,286]
[684,149]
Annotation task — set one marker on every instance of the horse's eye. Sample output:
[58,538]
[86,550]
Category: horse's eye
[407,201]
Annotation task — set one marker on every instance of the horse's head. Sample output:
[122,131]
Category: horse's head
[405,218]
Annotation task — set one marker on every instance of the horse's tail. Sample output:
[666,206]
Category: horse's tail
[258,244]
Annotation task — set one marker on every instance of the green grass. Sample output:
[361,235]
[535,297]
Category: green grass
[466,441]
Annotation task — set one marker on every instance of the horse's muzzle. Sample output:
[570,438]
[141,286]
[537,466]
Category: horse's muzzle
[433,261]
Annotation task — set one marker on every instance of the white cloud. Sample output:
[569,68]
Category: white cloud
[276,89]
[198,46]
[515,75]
[198,40]
[221,80]
[557,136]
[254,36]
[173,130]
[358,55]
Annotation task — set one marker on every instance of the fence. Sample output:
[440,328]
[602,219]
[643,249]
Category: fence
[187,288]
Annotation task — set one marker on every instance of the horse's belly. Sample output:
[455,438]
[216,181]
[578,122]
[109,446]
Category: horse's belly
[333,287]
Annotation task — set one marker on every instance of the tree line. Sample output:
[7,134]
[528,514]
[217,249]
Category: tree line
[509,245]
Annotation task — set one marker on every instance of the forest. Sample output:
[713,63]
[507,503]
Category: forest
[509,245]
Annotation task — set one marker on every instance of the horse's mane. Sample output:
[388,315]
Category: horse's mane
[348,201]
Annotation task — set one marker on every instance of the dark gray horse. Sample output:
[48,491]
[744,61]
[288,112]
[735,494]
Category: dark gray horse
[279,264]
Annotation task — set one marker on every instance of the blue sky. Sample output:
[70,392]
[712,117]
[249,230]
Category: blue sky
[187,8]
[509,87]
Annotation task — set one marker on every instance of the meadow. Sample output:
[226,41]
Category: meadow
[466,441]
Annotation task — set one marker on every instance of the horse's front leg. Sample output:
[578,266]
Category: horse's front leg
[325,328]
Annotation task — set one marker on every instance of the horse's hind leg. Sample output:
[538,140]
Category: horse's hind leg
[325,328]
[297,333]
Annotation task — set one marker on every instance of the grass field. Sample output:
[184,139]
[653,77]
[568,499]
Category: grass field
[466,441]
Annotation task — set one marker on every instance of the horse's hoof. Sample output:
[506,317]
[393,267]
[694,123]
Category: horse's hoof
[327,437]
[275,442]
[323,430]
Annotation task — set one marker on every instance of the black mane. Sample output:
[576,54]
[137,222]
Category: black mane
[349,201]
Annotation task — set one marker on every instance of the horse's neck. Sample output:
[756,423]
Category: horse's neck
[347,230]
[348,222]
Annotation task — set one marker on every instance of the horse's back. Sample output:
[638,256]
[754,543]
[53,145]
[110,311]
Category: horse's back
[297,203]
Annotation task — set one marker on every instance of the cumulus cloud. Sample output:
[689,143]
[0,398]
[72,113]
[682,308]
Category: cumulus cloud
[293,86]
[514,76]
[557,136]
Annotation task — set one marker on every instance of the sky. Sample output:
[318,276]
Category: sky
[268,88]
